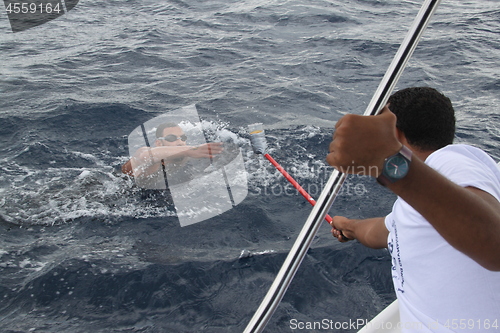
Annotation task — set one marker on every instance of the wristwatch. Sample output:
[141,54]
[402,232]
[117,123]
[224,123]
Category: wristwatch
[396,167]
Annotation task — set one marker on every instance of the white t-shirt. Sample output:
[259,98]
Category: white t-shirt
[439,288]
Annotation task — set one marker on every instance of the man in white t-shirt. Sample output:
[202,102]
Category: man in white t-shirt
[444,230]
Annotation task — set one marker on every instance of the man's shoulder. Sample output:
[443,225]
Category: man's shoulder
[467,166]
[459,148]
[458,153]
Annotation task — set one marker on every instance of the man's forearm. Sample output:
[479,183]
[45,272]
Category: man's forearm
[369,232]
[372,232]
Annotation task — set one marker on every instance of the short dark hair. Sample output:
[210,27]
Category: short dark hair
[161,127]
[425,116]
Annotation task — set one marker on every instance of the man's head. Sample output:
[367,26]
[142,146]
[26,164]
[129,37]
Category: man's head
[170,134]
[425,117]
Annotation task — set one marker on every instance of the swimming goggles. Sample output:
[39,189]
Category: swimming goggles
[172,138]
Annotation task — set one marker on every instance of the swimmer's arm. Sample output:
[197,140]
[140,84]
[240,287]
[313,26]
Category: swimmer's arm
[147,159]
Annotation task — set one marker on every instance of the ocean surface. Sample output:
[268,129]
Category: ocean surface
[84,249]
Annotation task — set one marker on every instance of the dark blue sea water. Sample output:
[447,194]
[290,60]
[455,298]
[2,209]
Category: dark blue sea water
[83,249]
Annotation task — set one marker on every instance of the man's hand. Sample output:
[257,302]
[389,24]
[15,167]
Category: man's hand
[369,232]
[340,229]
[362,143]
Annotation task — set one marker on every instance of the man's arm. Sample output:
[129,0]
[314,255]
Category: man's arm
[147,160]
[469,219]
[370,232]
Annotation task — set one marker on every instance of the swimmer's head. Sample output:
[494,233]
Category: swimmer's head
[170,134]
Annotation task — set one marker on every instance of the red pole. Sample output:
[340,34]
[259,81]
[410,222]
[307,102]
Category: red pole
[304,193]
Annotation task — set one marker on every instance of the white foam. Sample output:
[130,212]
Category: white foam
[58,195]
[247,253]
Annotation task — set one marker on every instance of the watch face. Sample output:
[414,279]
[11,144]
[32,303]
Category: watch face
[396,167]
